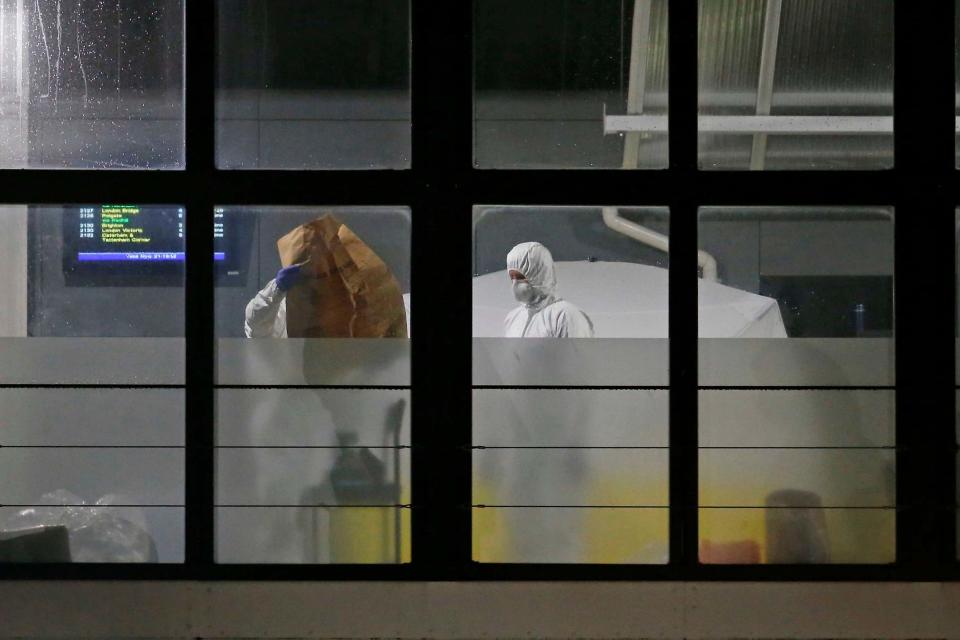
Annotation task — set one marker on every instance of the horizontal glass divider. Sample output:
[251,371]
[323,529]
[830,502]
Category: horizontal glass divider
[314,506]
[310,119]
[680,447]
[796,388]
[571,506]
[92,506]
[92,446]
[563,447]
[791,508]
[313,446]
[485,387]
[67,385]
[805,447]
[698,507]
[314,386]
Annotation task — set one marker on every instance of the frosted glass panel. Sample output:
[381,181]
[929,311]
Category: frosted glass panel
[296,476]
[139,477]
[570,418]
[547,71]
[85,283]
[36,360]
[91,84]
[598,318]
[312,417]
[827,477]
[313,361]
[797,536]
[797,418]
[92,417]
[97,534]
[348,108]
[836,362]
[808,83]
[573,535]
[570,477]
[313,535]
[598,362]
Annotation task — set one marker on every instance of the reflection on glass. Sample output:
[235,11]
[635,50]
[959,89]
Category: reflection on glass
[801,534]
[788,475]
[570,84]
[308,298]
[91,84]
[796,84]
[594,535]
[93,474]
[312,475]
[570,296]
[797,418]
[313,85]
[327,535]
[556,417]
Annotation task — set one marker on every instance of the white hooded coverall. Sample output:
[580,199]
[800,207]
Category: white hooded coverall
[548,315]
[266,315]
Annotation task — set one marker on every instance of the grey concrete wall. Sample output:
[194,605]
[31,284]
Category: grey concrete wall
[706,610]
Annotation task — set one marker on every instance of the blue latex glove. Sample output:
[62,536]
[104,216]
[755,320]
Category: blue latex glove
[288,276]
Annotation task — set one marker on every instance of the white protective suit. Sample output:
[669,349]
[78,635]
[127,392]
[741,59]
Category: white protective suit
[266,315]
[547,315]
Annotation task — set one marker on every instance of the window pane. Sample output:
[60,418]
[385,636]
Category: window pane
[308,473]
[548,72]
[91,84]
[87,281]
[570,475]
[106,431]
[313,85]
[351,535]
[328,344]
[796,84]
[792,475]
[92,474]
[296,493]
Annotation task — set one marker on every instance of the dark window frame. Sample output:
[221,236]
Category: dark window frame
[441,188]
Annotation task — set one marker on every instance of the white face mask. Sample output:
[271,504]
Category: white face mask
[523,292]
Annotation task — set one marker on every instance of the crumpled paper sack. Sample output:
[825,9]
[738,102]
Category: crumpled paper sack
[345,290]
[98,532]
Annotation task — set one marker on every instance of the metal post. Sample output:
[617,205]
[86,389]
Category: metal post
[637,80]
[768,64]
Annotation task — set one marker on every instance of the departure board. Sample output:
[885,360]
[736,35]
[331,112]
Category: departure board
[130,233]
[107,244]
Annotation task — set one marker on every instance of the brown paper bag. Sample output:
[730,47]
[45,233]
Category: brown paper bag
[345,289]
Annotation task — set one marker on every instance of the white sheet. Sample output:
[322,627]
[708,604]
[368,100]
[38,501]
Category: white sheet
[627,300]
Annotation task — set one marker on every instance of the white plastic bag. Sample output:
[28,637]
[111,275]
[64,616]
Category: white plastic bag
[98,532]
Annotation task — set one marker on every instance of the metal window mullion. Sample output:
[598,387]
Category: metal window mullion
[683,200]
[199,198]
[441,274]
[924,285]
